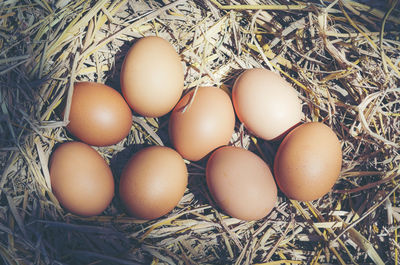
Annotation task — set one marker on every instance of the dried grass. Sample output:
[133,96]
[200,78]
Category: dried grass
[342,56]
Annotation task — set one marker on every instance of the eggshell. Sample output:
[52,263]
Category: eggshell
[81,179]
[241,183]
[99,115]
[266,104]
[153,182]
[206,124]
[308,162]
[152,77]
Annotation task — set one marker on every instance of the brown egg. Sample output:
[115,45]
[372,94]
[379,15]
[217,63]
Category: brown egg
[266,104]
[81,179]
[205,125]
[152,77]
[153,182]
[241,183]
[308,162]
[99,115]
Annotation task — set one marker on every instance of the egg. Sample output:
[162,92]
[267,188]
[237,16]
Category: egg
[99,115]
[241,183]
[81,179]
[308,162]
[265,103]
[207,122]
[152,77]
[153,182]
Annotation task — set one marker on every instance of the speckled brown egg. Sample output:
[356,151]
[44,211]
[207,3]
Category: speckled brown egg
[81,179]
[241,183]
[152,77]
[153,182]
[265,103]
[206,123]
[99,115]
[308,162]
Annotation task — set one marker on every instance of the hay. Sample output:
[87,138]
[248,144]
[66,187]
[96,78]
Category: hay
[342,56]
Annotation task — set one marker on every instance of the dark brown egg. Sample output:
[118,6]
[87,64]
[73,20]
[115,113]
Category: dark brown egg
[153,182]
[207,123]
[99,115]
[81,179]
[308,162]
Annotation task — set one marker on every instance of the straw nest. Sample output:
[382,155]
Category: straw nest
[343,57]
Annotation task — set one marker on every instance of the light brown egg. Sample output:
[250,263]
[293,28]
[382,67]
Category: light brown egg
[153,182]
[99,115]
[81,179]
[241,183]
[308,162]
[152,77]
[266,104]
[205,125]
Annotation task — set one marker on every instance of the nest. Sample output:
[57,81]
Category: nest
[343,57]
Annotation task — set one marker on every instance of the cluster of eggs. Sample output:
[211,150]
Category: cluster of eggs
[201,124]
